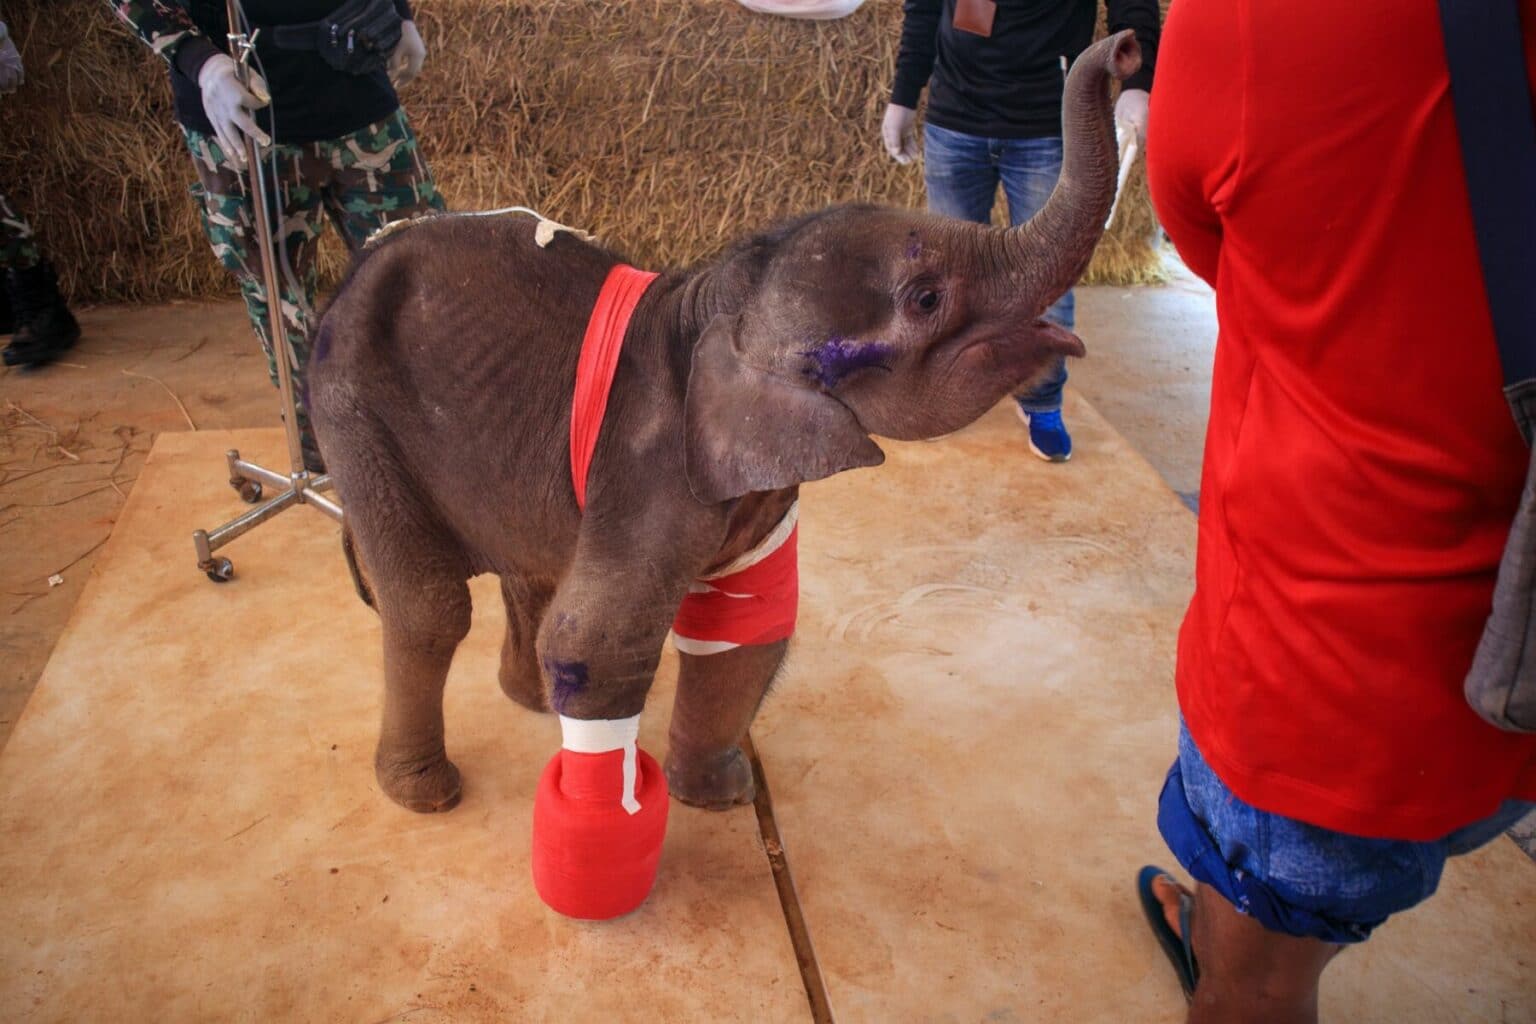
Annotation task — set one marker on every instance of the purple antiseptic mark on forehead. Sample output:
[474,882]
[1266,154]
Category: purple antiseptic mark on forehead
[837,357]
[568,679]
[914,246]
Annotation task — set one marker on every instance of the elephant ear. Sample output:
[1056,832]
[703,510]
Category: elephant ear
[746,429]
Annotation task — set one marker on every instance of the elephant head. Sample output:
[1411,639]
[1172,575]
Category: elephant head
[862,321]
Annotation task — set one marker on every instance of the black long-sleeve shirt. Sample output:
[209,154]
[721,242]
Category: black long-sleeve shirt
[1008,85]
[311,100]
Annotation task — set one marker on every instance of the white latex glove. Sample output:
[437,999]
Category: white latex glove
[229,105]
[1131,111]
[410,53]
[11,73]
[896,130]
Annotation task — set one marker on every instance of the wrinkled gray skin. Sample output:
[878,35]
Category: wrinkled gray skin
[441,394]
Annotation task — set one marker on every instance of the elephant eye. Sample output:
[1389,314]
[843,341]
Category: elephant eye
[926,300]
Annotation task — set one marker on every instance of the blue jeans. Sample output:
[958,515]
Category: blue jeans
[962,173]
[1295,878]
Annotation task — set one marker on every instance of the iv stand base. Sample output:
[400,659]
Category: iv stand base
[247,478]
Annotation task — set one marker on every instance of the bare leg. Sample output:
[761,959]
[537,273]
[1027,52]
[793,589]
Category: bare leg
[717,697]
[1248,974]
[519,675]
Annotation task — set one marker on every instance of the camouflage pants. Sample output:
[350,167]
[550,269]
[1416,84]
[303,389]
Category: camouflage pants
[361,181]
[18,250]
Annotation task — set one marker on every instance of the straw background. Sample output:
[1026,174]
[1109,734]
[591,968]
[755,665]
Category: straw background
[666,127]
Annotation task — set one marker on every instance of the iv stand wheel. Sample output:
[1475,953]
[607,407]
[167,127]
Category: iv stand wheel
[249,490]
[222,570]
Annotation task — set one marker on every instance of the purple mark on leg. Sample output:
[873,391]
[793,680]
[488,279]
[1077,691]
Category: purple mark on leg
[837,357]
[569,679]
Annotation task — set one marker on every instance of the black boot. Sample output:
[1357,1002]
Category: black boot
[312,458]
[44,327]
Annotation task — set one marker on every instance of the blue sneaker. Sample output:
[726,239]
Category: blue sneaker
[1048,437]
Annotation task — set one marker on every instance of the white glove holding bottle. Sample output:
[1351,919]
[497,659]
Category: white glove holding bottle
[409,55]
[229,106]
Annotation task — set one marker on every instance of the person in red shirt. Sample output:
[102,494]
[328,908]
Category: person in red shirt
[1361,472]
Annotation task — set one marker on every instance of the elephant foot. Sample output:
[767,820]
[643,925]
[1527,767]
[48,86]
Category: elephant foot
[422,786]
[714,782]
[529,694]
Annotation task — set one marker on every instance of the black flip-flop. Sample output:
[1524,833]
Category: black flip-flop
[1180,953]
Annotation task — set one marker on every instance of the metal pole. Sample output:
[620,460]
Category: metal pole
[298,487]
[282,354]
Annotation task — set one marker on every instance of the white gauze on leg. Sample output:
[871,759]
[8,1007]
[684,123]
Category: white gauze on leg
[599,736]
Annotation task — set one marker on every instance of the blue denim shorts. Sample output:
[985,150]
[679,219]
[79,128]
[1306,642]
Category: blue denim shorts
[1296,878]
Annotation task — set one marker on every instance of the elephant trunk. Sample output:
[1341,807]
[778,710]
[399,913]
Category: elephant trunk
[1051,251]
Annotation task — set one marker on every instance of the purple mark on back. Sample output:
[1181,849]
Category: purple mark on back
[322,342]
[569,679]
[837,357]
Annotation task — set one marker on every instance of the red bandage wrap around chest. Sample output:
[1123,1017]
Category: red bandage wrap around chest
[598,361]
[755,599]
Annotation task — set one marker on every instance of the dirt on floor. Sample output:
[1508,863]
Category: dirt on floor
[76,434]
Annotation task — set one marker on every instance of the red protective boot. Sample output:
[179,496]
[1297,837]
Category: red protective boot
[597,827]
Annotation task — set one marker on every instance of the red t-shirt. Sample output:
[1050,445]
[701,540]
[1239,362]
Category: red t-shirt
[1361,465]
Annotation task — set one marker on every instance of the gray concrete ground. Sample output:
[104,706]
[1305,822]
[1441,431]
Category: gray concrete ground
[1148,369]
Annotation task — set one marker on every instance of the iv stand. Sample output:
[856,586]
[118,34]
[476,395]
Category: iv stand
[298,486]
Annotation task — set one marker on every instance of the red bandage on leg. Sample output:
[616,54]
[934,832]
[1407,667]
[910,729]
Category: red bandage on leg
[594,857]
[754,600]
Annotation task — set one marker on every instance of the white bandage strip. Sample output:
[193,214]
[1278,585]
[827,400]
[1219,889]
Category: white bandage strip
[769,544]
[600,735]
[701,648]
[543,233]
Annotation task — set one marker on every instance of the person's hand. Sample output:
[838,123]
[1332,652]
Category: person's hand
[1131,111]
[410,53]
[897,132]
[229,104]
[11,72]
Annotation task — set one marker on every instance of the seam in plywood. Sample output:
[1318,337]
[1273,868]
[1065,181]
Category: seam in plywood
[789,900]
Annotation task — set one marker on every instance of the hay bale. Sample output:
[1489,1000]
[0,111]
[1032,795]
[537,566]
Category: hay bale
[666,127]
[94,160]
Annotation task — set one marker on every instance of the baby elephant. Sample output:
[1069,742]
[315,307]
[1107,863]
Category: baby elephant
[479,414]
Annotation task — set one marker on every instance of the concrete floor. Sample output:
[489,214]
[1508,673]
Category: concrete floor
[1148,370]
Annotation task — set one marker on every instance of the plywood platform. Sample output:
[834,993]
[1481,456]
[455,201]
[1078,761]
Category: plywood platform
[192,830]
[964,754]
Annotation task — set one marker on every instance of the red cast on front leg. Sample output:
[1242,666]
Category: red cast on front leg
[593,858]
